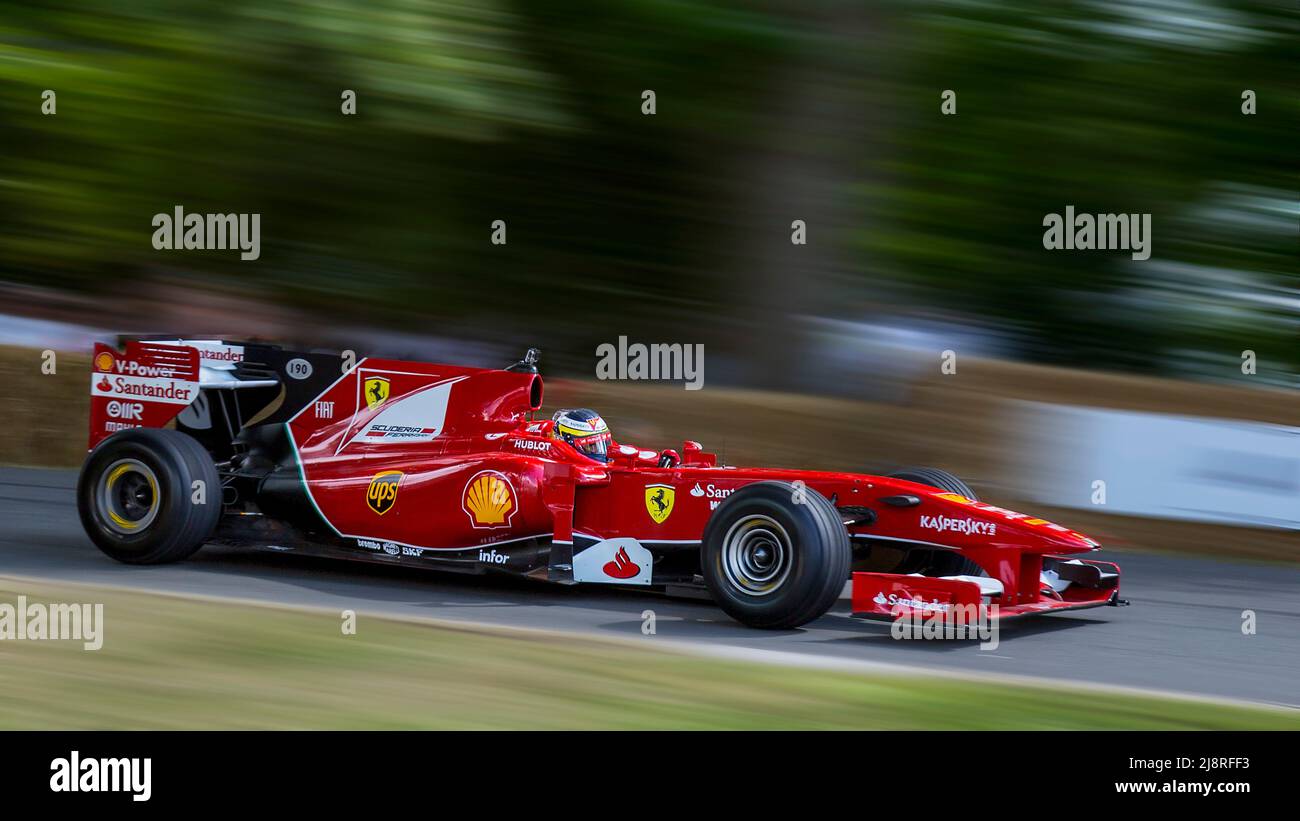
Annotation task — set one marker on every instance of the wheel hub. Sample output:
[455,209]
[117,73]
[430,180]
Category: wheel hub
[127,496]
[757,554]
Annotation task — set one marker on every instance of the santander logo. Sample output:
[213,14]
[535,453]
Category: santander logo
[912,603]
[622,567]
[151,389]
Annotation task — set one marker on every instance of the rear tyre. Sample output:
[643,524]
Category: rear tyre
[138,498]
[775,556]
[939,562]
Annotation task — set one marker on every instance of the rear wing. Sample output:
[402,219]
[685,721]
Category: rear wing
[145,386]
[152,382]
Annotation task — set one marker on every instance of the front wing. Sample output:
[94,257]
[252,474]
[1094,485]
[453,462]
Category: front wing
[1037,584]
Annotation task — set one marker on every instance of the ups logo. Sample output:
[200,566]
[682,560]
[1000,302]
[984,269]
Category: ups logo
[382,493]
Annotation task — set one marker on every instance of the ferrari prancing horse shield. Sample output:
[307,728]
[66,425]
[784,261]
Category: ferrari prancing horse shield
[376,391]
[659,501]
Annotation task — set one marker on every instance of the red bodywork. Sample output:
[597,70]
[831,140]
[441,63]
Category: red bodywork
[445,460]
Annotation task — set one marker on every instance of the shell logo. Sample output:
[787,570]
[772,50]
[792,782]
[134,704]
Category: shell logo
[104,361]
[489,500]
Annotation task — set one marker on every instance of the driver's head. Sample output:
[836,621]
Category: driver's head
[585,430]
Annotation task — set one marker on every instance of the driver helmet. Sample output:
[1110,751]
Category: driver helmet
[585,430]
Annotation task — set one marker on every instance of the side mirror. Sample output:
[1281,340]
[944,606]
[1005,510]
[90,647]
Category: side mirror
[693,454]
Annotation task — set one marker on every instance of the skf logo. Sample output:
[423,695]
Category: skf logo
[489,500]
[659,501]
[377,388]
[104,362]
[382,493]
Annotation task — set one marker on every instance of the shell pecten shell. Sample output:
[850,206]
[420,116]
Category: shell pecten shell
[489,500]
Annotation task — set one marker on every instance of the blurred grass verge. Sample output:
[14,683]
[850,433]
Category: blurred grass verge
[172,663]
[954,423]
[45,414]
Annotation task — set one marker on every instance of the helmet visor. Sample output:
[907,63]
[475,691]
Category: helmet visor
[595,446]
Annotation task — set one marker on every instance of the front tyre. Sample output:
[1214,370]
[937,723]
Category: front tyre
[775,556]
[149,496]
[939,562]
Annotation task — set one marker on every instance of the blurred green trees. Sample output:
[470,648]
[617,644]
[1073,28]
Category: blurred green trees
[674,226]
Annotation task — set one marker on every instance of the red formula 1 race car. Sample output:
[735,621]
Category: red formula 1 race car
[197,441]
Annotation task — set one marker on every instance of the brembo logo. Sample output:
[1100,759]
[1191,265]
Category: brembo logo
[970,527]
[391,548]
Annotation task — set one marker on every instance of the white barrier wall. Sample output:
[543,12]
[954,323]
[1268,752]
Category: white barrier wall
[1172,467]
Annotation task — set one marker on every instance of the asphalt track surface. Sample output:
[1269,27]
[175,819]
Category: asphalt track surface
[1183,632]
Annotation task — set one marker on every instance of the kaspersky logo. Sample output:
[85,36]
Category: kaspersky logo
[894,600]
[968,526]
